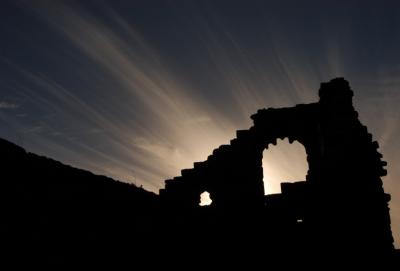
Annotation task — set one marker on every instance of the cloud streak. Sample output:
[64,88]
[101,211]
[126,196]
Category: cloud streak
[8,105]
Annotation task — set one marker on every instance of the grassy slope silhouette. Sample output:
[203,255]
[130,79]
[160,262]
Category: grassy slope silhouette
[27,176]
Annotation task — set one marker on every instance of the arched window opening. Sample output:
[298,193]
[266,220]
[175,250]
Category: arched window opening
[284,162]
[205,199]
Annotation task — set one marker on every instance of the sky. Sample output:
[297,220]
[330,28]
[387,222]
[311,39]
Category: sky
[138,90]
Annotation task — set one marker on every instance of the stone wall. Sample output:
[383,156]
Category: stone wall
[342,201]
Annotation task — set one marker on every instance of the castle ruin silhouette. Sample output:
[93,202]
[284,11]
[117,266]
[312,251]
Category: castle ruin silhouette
[340,204]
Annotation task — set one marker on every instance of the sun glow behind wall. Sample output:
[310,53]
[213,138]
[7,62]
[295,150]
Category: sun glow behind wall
[284,162]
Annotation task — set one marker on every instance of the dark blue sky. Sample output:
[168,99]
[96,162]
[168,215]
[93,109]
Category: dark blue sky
[138,90]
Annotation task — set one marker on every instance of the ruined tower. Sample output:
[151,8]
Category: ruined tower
[341,203]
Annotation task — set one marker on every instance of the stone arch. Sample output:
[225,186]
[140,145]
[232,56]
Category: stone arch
[283,162]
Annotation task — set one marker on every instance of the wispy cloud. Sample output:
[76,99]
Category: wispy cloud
[8,105]
[161,124]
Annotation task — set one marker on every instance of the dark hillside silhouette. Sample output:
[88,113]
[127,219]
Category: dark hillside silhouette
[56,214]
[27,176]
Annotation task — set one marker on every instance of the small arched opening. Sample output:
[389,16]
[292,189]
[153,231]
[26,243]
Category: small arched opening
[283,162]
[205,199]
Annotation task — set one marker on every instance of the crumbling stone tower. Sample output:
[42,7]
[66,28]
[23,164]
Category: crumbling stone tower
[341,202]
